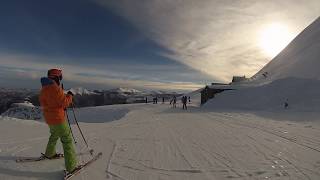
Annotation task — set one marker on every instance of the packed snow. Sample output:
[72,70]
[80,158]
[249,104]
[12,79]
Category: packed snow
[155,141]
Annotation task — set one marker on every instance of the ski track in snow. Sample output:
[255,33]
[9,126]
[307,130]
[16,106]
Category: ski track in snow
[158,142]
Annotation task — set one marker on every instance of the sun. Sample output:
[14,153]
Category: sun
[274,38]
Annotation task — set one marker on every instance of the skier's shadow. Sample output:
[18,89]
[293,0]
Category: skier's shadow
[27,174]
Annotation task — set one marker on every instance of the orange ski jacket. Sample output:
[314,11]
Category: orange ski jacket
[53,101]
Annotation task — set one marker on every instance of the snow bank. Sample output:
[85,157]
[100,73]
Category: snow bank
[301,95]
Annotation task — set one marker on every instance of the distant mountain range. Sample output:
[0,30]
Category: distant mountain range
[82,97]
[120,90]
[81,91]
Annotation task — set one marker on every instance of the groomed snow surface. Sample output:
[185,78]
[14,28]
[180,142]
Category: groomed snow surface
[154,141]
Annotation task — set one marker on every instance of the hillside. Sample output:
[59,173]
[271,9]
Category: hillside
[300,94]
[292,77]
[299,59]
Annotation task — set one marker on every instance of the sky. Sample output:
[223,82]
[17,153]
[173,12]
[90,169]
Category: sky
[144,44]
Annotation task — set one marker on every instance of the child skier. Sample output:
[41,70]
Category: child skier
[54,102]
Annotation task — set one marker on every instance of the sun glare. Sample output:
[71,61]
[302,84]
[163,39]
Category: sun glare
[274,38]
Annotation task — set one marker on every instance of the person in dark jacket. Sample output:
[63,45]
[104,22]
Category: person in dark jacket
[184,102]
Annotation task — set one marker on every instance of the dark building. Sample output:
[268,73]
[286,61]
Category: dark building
[209,92]
[239,78]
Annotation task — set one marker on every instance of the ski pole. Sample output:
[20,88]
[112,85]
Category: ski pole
[84,139]
[66,112]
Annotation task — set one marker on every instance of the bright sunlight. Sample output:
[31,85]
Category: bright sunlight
[274,38]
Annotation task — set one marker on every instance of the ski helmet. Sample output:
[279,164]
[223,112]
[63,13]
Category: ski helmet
[53,73]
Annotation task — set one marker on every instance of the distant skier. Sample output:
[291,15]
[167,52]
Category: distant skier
[184,102]
[174,102]
[265,74]
[155,100]
[54,102]
[286,104]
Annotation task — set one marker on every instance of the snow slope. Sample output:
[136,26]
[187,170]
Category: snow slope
[300,94]
[299,59]
[292,77]
[158,142]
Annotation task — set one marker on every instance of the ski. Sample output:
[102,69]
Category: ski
[68,176]
[40,158]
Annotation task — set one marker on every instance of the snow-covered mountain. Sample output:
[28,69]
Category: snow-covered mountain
[132,91]
[292,77]
[299,59]
[122,90]
[157,92]
[81,91]
[83,97]
[24,110]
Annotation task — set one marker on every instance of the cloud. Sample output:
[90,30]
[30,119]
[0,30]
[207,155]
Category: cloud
[215,37]
[27,70]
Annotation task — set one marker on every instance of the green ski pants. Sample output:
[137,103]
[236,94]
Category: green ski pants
[62,131]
